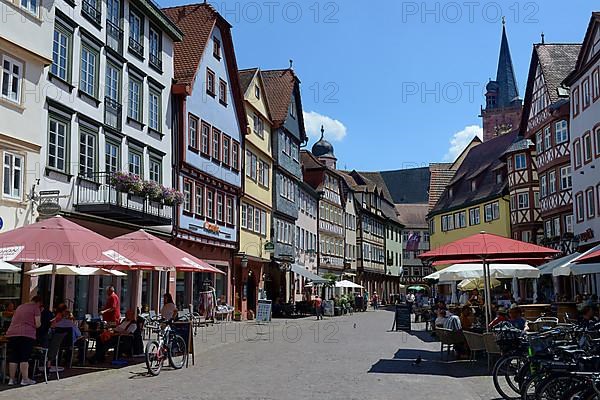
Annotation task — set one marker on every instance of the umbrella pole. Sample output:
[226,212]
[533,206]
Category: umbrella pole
[52,284]
[488,294]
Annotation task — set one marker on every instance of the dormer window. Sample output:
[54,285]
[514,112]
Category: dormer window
[520,161]
[499,177]
[473,185]
[292,110]
[257,92]
[217,48]
[451,193]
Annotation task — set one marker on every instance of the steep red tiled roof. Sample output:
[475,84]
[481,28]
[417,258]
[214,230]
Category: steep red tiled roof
[196,21]
[246,76]
[413,216]
[441,175]
[279,85]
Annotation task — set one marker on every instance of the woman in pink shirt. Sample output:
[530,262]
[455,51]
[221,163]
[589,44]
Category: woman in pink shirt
[21,338]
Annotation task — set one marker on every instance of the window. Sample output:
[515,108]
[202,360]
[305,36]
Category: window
[216,144]
[561,132]
[88,73]
[154,110]
[590,202]
[209,204]
[253,166]
[13,175]
[575,101]
[12,74]
[244,216]
[257,220]
[90,10]
[547,138]
[586,93]
[235,157]
[492,211]
[579,209]
[250,218]
[134,105]
[257,91]
[292,109]
[543,186]
[569,223]
[557,227]
[155,170]
[577,153]
[220,207]
[135,162]
[536,199]
[136,32]
[193,132]
[57,144]
[539,145]
[587,147]
[595,84]
[187,196]
[155,48]
[263,173]
[520,161]
[229,210]
[552,182]
[61,53]
[565,178]
[597,141]
[205,139]
[460,220]
[87,153]
[200,200]
[113,78]
[112,157]
[474,216]
[210,82]
[522,201]
[31,6]
[226,150]
[258,125]
[216,48]
[473,185]
[222,92]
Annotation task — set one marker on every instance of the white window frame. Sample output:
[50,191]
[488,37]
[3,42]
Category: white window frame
[88,140]
[561,132]
[154,109]
[566,179]
[518,157]
[88,71]
[523,201]
[134,103]
[54,154]
[10,75]
[13,175]
[31,6]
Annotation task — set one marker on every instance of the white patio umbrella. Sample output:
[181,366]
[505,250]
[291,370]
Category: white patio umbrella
[476,283]
[69,270]
[348,284]
[458,272]
[571,267]
[7,267]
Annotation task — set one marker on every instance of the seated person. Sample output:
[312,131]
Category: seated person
[466,318]
[475,299]
[501,316]
[67,321]
[441,319]
[588,317]
[169,310]
[453,323]
[109,339]
[515,317]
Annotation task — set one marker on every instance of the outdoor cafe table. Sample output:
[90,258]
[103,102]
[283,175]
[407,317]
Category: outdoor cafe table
[564,308]
[534,311]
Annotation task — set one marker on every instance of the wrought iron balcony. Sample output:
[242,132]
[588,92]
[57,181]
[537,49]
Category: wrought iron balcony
[156,61]
[136,47]
[97,196]
[90,9]
[114,37]
[112,113]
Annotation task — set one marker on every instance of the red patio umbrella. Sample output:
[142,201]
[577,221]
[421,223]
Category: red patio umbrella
[147,251]
[485,247]
[589,258]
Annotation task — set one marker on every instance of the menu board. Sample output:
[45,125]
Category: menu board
[263,313]
[402,318]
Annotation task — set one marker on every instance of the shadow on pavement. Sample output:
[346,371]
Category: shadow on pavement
[424,336]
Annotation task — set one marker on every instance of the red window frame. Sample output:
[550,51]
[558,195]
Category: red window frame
[235,161]
[591,190]
[575,101]
[198,132]
[227,161]
[587,135]
[203,125]
[210,90]
[216,133]
[579,216]
[595,93]
[596,140]
[577,154]
[583,83]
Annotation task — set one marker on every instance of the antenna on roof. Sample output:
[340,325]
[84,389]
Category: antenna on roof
[291,64]
[543,38]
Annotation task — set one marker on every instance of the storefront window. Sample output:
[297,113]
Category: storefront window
[147,285]
[180,291]
[80,302]
[10,289]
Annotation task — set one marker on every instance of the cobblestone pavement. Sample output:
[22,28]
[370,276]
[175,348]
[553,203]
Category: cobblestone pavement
[350,357]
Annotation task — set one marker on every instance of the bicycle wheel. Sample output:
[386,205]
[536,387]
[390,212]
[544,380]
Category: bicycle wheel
[555,387]
[528,388]
[154,358]
[581,391]
[177,352]
[504,373]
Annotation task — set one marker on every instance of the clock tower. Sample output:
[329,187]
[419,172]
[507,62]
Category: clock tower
[503,107]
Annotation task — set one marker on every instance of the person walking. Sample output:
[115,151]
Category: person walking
[318,308]
[21,338]
[375,301]
[111,312]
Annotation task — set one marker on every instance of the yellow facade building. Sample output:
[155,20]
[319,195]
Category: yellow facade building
[256,202]
[476,199]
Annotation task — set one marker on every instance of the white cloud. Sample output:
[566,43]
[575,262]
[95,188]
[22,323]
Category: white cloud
[460,140]
[334,130]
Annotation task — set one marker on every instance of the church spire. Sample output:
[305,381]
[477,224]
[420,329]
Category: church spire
[505,77]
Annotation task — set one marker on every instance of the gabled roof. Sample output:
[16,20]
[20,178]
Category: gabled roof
[197,22]
[408,186]
[557,61]
[585,49]
[488,154]
[246,76]
[440,175]
[413,215]
[281,85]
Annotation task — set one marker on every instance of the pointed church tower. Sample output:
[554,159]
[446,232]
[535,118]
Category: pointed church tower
[503,107]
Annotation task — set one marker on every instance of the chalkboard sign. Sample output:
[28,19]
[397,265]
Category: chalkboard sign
[184,329]
[263,313]
[402,317]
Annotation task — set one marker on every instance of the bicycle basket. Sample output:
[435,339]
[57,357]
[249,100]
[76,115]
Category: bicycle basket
[539,345]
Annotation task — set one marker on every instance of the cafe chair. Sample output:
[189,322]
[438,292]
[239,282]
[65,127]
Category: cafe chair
[52,352]
[475,343]
[448,339]
[491,346]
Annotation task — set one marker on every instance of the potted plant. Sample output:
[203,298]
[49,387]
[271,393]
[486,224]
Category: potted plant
[237,316]
[127,183]
[171,197]
[153,191]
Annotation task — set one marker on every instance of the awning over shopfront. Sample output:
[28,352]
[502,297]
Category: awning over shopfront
[546,269]
[300,270]
[575,268]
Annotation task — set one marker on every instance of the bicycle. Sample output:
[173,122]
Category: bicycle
[169,346]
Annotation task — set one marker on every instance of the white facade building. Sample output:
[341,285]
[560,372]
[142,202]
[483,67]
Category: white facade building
[306,236]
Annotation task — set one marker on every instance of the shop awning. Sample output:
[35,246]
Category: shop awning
[546,269]
[573,266]
[300,270]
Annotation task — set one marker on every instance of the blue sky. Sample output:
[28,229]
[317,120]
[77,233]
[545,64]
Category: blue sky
[397,83]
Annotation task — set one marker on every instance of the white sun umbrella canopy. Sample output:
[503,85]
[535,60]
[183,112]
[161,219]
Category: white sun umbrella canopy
[458,272]
[8,267]
[69,270]
[348,284]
